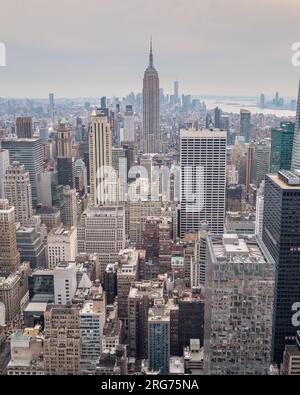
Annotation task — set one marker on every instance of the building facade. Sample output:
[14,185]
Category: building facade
[151,108]
[281,235]
[282,147]
[61,246]
[30,153]
[100,160]
[62,340]
[9,254]
[239,292]
[24,127]
[17,190]
[102,231]
[4,163]
[203,179]
[296,143]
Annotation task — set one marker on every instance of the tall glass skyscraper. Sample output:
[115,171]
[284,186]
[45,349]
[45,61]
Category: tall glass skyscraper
[282,147]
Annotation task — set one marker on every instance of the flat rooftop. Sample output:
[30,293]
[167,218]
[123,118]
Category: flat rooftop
[89,308]
[42,272]
[159,314]
[153,289]
[128,258]
[234,248]
[35,307]
[176,365]
[22,140]
[198,133]
[283,185]
[25,230]
[112,328]
[104,211]
[61,231]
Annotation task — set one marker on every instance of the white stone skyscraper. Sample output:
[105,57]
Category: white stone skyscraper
[176,91]
[102,231]
[203,179]
[151,128]
[61,246]
[17,190]
[129,125]
[103,184]
[296,146]
[9,254]
[4,163]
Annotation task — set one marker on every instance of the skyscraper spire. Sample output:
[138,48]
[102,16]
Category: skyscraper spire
[151,128]
[151,54]
[296,145]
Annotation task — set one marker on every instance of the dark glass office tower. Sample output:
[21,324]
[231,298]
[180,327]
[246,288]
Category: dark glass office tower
[281,235]
[245,124]
[66,171]
[218,113]
[191,318]
[282,147]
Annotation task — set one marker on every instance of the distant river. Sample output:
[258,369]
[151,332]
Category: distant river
[234,105]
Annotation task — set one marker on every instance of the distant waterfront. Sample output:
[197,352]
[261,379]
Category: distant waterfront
[233,105]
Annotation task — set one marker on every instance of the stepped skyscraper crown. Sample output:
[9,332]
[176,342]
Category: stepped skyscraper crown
[296,146]
[151,131]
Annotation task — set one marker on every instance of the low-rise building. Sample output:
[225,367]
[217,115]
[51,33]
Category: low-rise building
[26,355]
[291,359]
[61,245]
[194,358]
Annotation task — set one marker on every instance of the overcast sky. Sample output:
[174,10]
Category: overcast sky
[94,47]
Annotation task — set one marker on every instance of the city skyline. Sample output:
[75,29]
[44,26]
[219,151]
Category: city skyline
[155,233]
[54,56]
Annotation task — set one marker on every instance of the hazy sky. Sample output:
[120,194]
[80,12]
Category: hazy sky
[95,47]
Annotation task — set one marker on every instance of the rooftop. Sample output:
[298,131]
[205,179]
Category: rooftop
[234,249]
[198,133]
[128,260]
[64,265]
[154,289]
[112,328]
[61,231]
[176,365]
[22,140]
[9,281]
[35,307]
[159,314]
[286,180]
[89,308]
[103,211]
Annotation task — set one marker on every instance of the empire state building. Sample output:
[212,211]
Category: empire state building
[151,129]
[296,145]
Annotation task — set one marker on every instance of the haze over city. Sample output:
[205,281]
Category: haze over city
[149,191]
[82,49]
